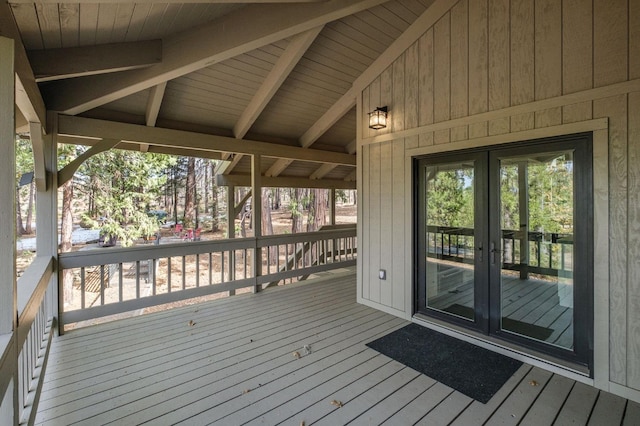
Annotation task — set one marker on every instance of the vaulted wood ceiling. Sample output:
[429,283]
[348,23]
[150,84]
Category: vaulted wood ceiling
[282,72]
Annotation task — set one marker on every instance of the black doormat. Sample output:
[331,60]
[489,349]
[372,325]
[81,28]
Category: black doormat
[467,368]
[512,325]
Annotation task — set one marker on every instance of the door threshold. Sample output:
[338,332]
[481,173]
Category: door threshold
[577,372]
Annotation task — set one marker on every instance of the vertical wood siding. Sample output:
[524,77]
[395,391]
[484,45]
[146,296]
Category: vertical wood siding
[487,55]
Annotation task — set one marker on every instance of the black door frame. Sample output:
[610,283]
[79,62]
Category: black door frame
[487,284]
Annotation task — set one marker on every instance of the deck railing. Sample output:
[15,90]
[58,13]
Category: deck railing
[548,253]
[110,281]
[31,340]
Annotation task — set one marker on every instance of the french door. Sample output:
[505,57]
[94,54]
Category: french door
[504,243]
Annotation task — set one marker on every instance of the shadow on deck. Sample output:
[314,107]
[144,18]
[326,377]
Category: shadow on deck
[288,355]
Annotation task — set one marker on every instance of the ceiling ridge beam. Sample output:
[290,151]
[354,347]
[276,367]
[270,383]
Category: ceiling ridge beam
[236,33]
[425,21]
[88,127]
[27,94]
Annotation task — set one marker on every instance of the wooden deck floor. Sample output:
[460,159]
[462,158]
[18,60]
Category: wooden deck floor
[233,361]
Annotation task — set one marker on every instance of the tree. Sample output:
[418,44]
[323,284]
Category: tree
[190,194]
[24,164]
[130,183]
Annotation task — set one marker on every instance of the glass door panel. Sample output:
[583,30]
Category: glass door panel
[449,237]
[536,246]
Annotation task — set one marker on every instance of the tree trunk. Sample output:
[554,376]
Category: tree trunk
[296,212]
[66,229]
[215,225]
[267,224]
[28,226]
[20,226]
[206,185]
[190,194]
[320,208]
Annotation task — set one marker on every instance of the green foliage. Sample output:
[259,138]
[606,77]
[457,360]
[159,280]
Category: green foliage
[124,185]
[450,198]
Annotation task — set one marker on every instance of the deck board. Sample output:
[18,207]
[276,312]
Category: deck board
[232,361]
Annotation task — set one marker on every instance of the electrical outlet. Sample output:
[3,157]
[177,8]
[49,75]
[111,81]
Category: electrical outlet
[382,274]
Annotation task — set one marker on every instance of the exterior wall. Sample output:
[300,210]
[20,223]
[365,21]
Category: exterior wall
[494,71]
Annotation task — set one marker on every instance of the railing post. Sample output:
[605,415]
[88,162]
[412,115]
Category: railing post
[9,399]
[256,214]
[231,231]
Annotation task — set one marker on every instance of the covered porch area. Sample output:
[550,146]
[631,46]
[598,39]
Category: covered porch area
[289,355]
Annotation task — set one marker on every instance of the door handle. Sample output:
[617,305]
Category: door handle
[493,250]
[479,248]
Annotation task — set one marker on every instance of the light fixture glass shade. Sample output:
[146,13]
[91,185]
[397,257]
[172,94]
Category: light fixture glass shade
[378,118]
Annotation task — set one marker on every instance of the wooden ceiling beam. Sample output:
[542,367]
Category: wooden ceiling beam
[169,1]
[285,182]
[238,32]
[278,74]
[87,127]
[132,146]
[322,171]
[153,104]
[27,94]
[56,64]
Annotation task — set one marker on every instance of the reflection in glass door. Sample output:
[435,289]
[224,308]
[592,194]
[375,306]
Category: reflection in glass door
[448,237]
[505,243]
[536,246]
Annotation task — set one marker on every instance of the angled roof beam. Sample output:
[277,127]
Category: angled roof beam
[238,32]
[27,96]
[56,64]
[402,43]
[323,170]
[153,109]
[92,128]
[278,74]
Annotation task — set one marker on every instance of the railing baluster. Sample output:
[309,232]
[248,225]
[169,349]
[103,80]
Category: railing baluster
[82,287]
[137,279]
[154,281]
[197,270]
[169,274]
[101,285]
[184,272]
[120,281]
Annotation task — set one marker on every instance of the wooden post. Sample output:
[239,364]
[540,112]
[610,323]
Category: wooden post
[231,231]
[47,202]
[256,212]
[523,201]
[332,206]
[9,411]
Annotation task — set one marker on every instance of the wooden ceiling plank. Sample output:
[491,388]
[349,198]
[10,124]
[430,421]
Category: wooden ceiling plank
[329,118]
[153,104]
[56,64]
[278,74]
[238,32]
[27,96]
[87,127]
[402,43]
